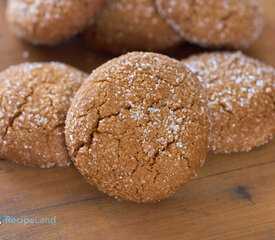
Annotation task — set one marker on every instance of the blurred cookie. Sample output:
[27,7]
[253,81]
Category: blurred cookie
[138,127]
[214,23]
[35,98]
[50,22]
[241,93]
[125,26]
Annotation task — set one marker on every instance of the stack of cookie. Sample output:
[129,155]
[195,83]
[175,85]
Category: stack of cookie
[119,26]
[140,125]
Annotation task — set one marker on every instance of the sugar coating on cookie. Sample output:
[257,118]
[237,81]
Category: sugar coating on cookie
[125,26]
[49,22]
[214,23]
[35,98]
[138,127]
[241,93]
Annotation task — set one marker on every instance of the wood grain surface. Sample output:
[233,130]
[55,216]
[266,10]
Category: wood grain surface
[232,198]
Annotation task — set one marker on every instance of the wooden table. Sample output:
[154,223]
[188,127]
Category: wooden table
[232,198]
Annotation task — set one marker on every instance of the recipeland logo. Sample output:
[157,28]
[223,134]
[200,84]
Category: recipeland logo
[27,220]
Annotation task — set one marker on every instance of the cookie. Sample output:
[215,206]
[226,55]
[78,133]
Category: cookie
[138,127]
[125,26]
[217,23]
[35,98]
[50,22]
[241,93]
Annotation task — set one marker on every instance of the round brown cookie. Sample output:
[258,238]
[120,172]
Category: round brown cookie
[35,98]
[138,127]
[241,94]
[214,23]
[50,22]
[125,26]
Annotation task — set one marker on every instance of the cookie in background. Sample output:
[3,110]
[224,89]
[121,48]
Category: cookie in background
[241,93]
[232,24]
[50,22]
[125,26]
[35,98]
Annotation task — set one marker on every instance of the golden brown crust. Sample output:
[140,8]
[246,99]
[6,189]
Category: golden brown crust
[35,98]
[241,93]
[135,25]
[50,22]
[214,23]
[138,127]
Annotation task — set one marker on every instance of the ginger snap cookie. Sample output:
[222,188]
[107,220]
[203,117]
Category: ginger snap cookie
[214,23]
[50,22]
[35,98]
[241,94]
[125,26]
[138,127]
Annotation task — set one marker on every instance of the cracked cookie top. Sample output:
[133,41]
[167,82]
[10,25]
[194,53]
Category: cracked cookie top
[241,94]
[214,23]
[138,127]
[50,22]
[35,98]
[125,26]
